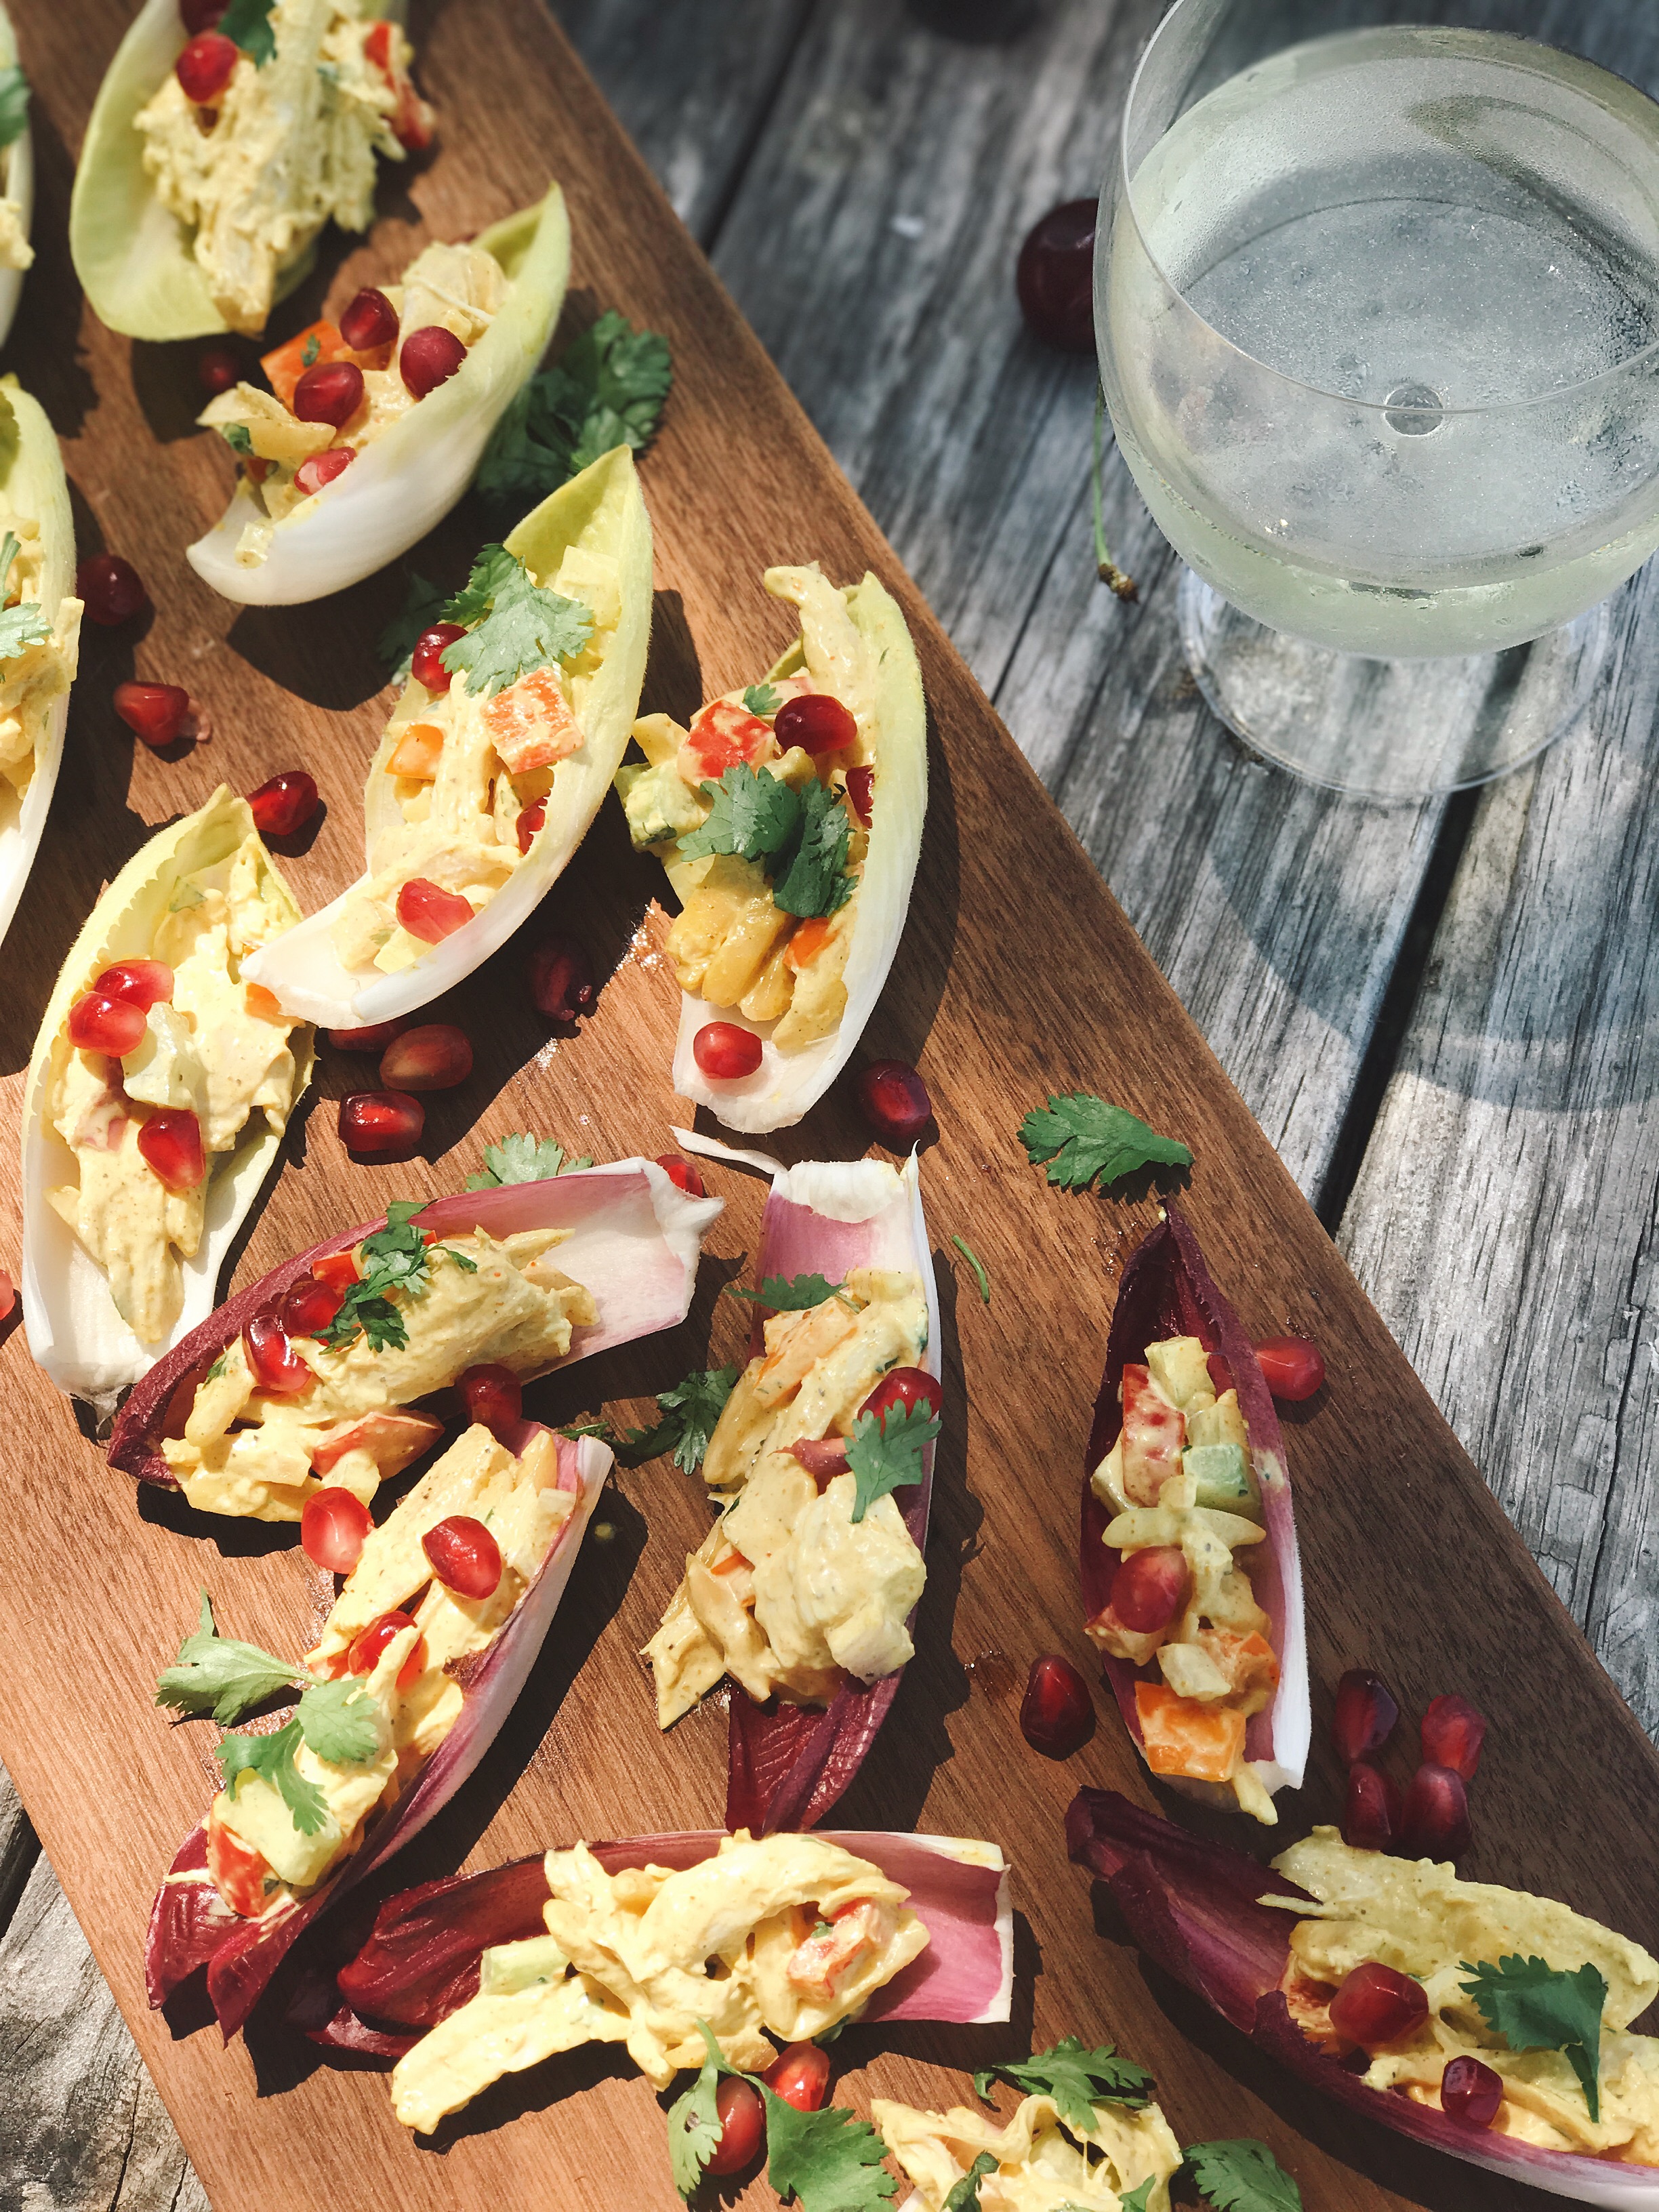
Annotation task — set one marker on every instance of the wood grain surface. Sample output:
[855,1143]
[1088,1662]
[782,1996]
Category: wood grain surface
[1019,974]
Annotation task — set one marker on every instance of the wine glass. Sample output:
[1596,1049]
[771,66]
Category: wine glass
[1377,311]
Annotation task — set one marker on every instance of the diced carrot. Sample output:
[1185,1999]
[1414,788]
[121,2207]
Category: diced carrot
[530,724]
[264,1006]
[239,1873]
[733,1564]
[1181,1736]
[808,940]
[1247,1660]
[286,364]
[1153,1434]
[418,752]
[722,734]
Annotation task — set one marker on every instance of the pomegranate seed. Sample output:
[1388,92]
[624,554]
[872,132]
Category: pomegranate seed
[861,789]
[466,1557]
[375,1038]
[1056,1715]
[529,822]
[1054,276]
[1364,1716]
[817,722]
[1435,1821]
[378,1125]
[726,1052]
[1221,1375]
[110,588]
[330,392]
[1453,1733]
[435,1057]
[218,369]
[1470,2092]
[893,1099]
[1150,1587]
[317,470]
[372,1640]
[338,1269]
[370,321]
[171,1144]
[1371,1819]
[430,357]
[427,911]
[97,1024]
[199,16]
[426,663]
[143,983]
[742,2117]
[493,1395]
[333,1528]
[561,982]
[800,2075]
[309,1306]
[1377,2004]
[906,1387]
[155,712]
[284,803]
[204,69]
[1292,1366]
[682,1174]
[275,1367]
[8,1295]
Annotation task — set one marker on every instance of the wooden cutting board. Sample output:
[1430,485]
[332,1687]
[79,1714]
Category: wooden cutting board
[1018,976]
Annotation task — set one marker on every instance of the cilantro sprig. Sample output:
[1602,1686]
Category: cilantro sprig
[691,1411]
[789,1293]
[1077,2078]
[964,2197]
[1536,2007]
[1083,1139]
[763,700]
[13,105]
[395,1258]
[800,838]
[246,23]
[827,2161]
[25,624]
[523,1158]
[608,389]
[217,1674]
[1240,2175]
[884,1451]
[517,624]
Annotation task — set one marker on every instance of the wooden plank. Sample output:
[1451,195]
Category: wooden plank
[872,244]
[738,478]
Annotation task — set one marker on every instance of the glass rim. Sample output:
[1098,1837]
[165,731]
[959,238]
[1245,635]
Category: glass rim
[1379,408]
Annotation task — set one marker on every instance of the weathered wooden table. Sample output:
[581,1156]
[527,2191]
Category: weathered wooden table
[1445,1017]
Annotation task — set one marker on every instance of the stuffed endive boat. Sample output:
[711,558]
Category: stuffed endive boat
[789,818]
[1187,1555]
[1486,2023]
[419,1662]
[785,1935]
[160,1084]
[354,454]
[494,762]
[805,1588]
[40,630]
[16,178]
[210,164]
[314,1375]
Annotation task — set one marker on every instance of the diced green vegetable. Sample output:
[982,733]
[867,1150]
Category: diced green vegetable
[1225,1479]
[507,1968]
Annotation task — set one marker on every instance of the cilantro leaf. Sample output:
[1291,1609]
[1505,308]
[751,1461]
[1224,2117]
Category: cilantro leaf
[753,813]
[816,881]
[13,105]
[340,1722]
[217,1368]
[1139,2198]
[238,437]
[527,627]
[309,351]
[1076,2079]
[884,1453]
[1241,2175]
[215,1675]
[828,2160]
[608,390]
[271,1757]
[494,565]
[789,1293]
[1082,1137]
[394,1258]
[423,604]
[23,625]
[247,24]
[691,1411]
[523,1158]
[694,2123]
[964,2197]
[1536,2007]
[761,699]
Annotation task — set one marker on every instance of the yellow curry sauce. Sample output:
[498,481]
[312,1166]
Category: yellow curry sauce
[1043,2164]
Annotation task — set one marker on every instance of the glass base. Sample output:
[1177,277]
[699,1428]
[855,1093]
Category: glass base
[1388,729]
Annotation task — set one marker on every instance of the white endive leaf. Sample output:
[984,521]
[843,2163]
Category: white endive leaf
[601,510]
[34,482]
[788,1085]
[405,483]
[17,183]
[75,1332]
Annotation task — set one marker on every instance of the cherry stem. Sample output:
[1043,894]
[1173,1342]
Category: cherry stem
[1106,568]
